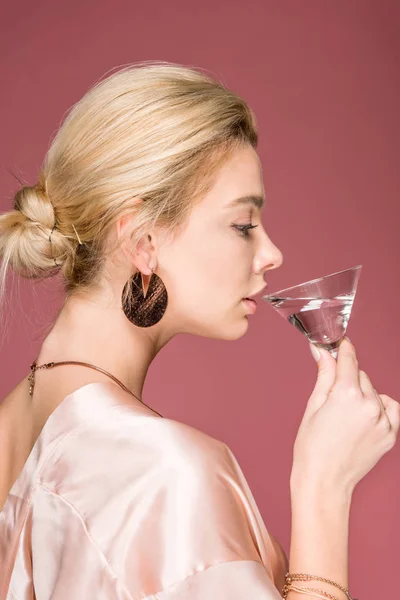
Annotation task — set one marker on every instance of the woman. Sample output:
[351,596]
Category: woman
[149,205]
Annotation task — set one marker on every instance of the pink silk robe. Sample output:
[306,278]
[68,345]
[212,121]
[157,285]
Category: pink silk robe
[116,502]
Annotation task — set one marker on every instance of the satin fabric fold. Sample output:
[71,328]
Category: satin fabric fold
[116,502]
[237,580]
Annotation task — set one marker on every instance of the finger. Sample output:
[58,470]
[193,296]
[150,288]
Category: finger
[384,399]
[383,404]
[365,384]
[324,382]
[347,365]
[392,410]
[369,391]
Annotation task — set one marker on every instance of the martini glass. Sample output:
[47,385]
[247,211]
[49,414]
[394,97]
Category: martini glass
[320,308]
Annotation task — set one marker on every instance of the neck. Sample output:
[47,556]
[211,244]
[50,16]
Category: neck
[90,331]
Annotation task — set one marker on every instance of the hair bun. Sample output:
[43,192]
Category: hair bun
[25,231]
[34,203]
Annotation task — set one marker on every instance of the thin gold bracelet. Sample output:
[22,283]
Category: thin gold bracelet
[316,593]
[289,577]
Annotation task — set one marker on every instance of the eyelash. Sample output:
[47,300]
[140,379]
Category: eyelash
[244,229]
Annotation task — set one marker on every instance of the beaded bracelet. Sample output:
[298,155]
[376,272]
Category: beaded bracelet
[290,577]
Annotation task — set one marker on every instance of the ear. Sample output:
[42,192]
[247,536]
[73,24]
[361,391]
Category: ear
[143,254]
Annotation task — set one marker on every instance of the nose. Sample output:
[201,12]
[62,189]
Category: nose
[269,257]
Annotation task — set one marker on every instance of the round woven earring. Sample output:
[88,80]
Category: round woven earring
[148,299]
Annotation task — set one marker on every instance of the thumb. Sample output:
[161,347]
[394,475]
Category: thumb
[325,378]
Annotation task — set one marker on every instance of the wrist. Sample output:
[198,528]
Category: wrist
[307,488]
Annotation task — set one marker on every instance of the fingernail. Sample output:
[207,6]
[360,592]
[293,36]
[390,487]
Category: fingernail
[315,352]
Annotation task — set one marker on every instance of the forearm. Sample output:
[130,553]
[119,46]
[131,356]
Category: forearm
[319,537]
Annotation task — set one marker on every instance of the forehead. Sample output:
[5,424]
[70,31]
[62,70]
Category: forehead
[238,182]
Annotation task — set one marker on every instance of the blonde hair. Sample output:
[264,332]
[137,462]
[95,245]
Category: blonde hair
[154,131]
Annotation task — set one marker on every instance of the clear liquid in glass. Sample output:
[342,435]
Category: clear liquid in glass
[320,308]
[322,320]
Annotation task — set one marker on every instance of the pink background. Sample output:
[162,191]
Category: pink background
[323,80]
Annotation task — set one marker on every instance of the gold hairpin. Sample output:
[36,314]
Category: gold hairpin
[79,239]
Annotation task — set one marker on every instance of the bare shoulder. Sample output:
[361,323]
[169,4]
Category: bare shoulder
[15,435]
[16,415]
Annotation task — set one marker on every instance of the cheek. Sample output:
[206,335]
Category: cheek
[209,271]
[217,275]
[215,261]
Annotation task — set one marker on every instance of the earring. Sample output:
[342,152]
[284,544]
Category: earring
[147,301]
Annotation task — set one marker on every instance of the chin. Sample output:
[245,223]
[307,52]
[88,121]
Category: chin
[234,331]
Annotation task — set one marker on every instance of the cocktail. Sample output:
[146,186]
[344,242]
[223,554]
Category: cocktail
[320,308]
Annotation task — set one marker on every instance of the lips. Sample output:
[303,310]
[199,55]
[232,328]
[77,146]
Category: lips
[251,304]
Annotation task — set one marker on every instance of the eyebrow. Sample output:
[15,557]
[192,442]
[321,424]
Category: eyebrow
[257,201]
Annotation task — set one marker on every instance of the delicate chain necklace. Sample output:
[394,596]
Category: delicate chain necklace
[35,367]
